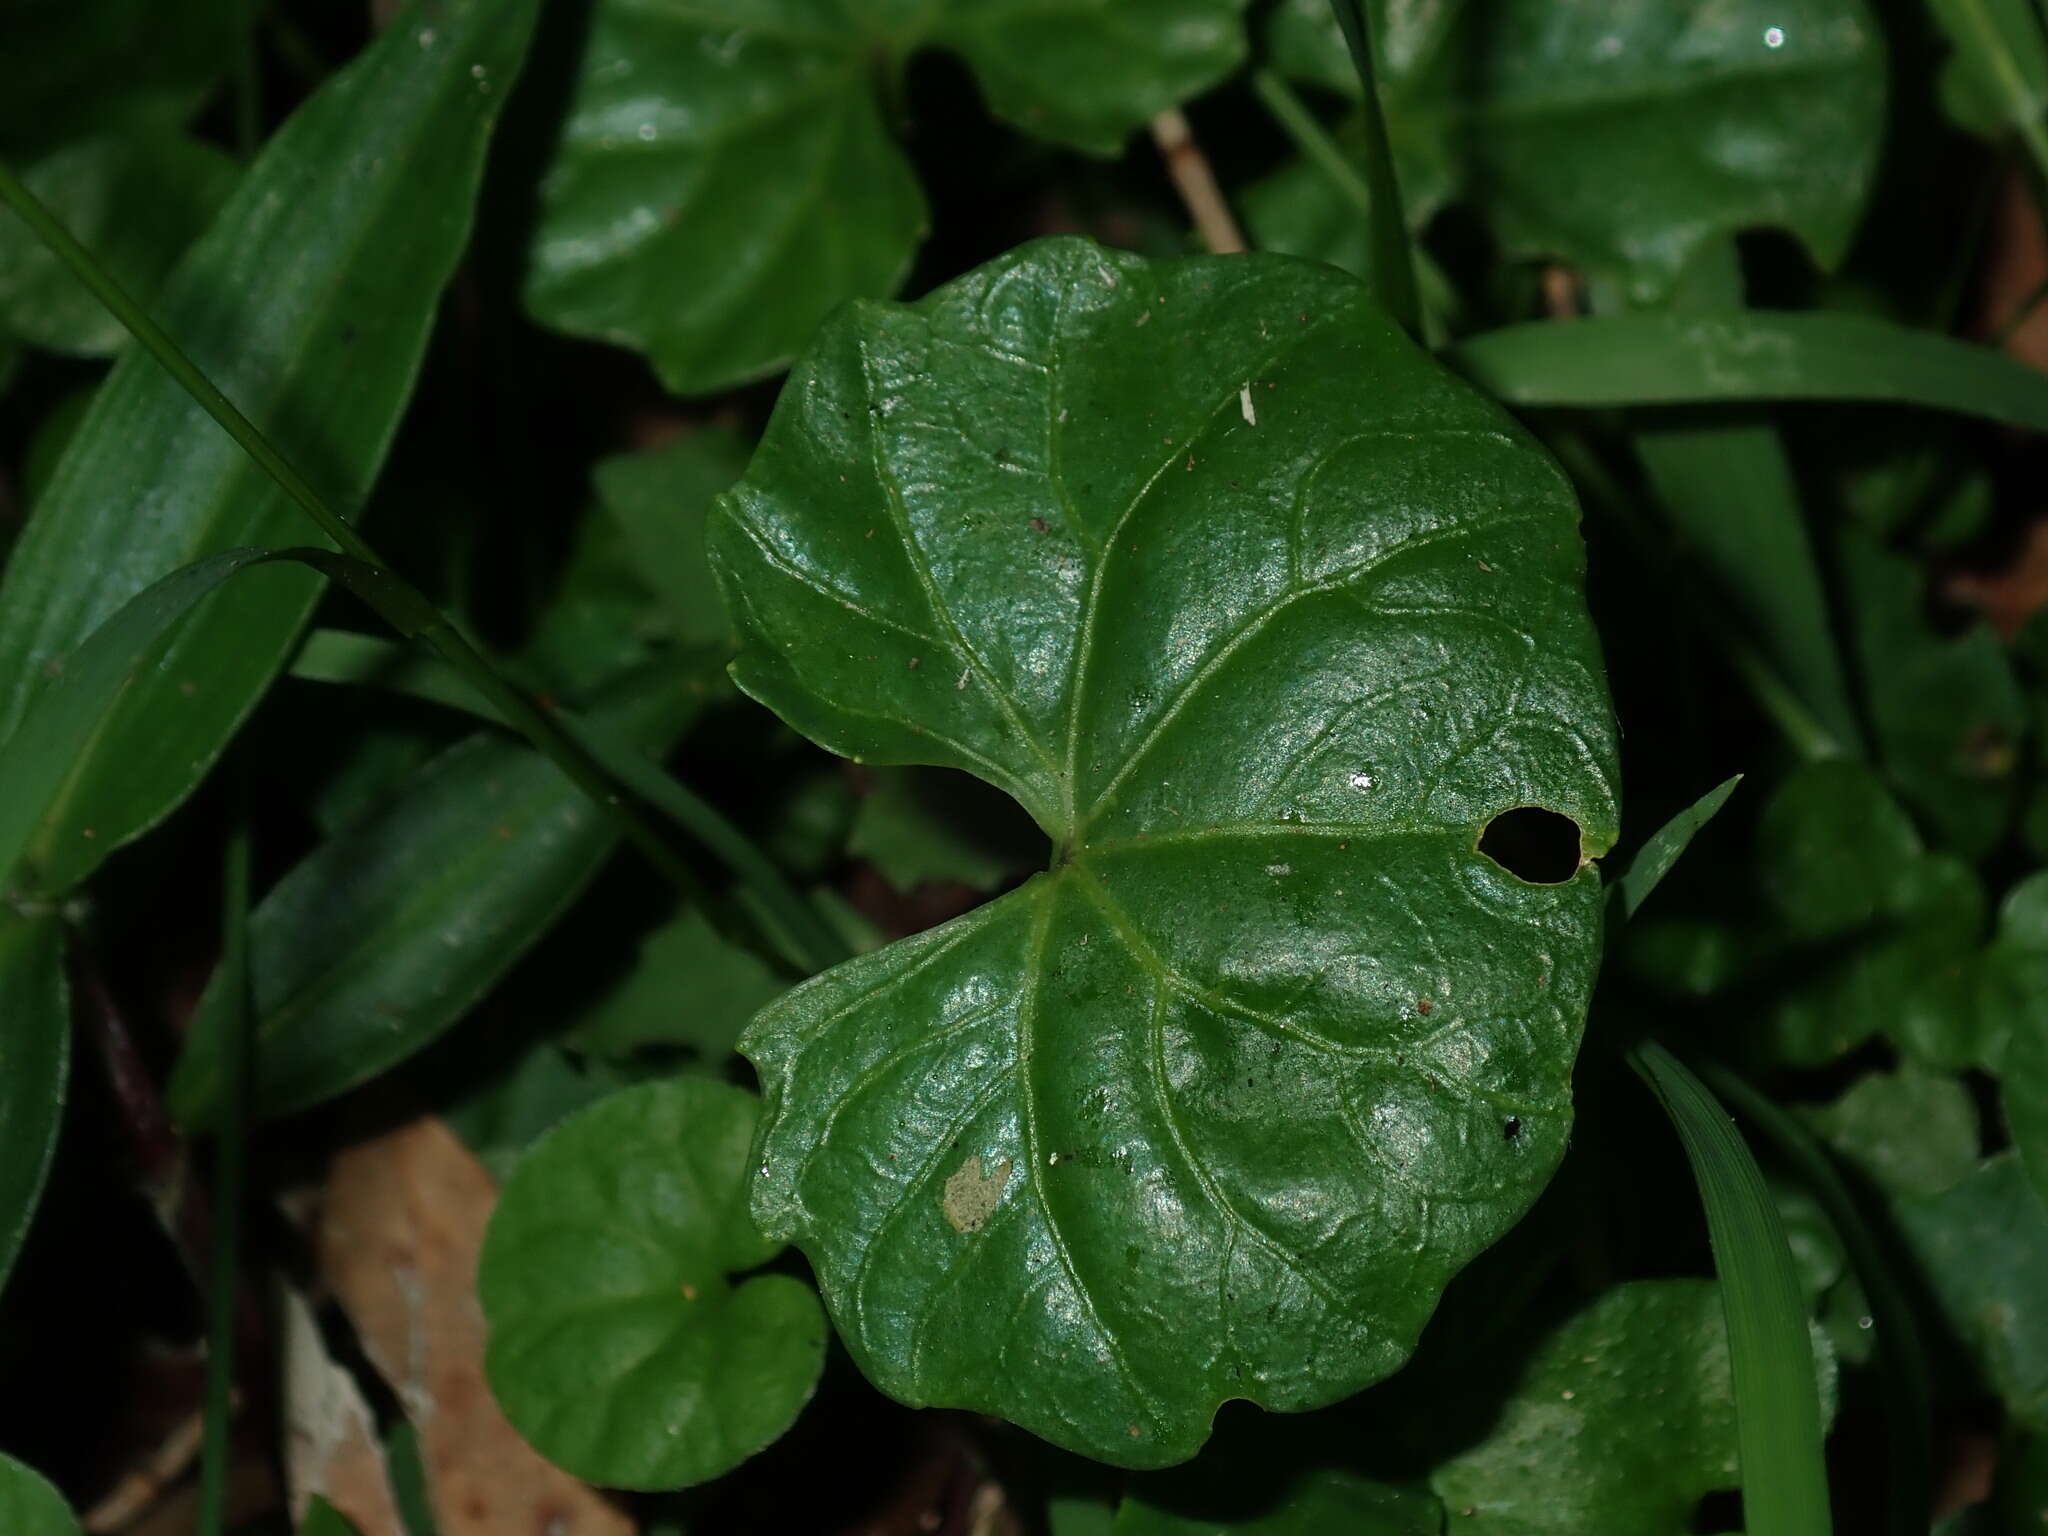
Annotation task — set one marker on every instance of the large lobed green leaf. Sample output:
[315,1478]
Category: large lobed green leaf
[1263,616]
[308,301]
[725,175]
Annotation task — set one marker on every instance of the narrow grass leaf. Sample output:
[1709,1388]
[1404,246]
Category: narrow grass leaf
[308,301]
[380,940]
[800,932]
[1757,355]
[35,1057]
[1784,1477]
[1654,860]
[1901,1355]
[1393,268]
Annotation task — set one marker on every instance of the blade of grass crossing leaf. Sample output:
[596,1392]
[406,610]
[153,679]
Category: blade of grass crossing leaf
[1393,266]
[1784,1477]
[1667,845]
[526,716]
[230,1002]
[35,1059]
[309,300]
[1728,488]
[1749,357]
[1901,1355]
[332,656]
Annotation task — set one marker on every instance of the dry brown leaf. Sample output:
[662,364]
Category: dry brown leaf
[399,1238]
[331,1444]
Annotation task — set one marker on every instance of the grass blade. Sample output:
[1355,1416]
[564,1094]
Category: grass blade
[1750,356]
[35,1060]
[1654,860]
[1784,1476]
[1393,266]
[1902,1357]
[309,301]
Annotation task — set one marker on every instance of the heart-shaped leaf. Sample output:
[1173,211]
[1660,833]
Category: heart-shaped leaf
[726,176]
[1264,617]
[618,1345]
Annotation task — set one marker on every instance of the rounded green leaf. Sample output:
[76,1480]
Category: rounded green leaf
[725,176]
[136,203]
[618,1344]
[1621,1420]
[1909,1132]
[1264,617]
[1983,1247]
[1624,137]
[29,1506]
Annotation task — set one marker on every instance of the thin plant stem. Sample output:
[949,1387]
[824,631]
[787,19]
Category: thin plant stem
[1195,181]
[518,710]
[1777,1404]
[223,1273]
[1393,264]
[1312,139]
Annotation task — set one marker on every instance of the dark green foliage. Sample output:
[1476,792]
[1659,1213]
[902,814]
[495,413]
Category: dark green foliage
[1065,859]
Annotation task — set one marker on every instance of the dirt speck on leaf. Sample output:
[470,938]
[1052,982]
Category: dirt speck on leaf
[971,1194]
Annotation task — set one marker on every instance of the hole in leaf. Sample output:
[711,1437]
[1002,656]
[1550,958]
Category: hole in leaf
[1534,845]
[1718,1511]
[1511,1127]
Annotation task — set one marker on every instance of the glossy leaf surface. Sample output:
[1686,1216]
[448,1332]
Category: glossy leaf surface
[35,1057]
[1263,617]
[29,1506]
[619,1345]
[380,939]
[135,203]
[308,302]
[725,176]
[1620,1420]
